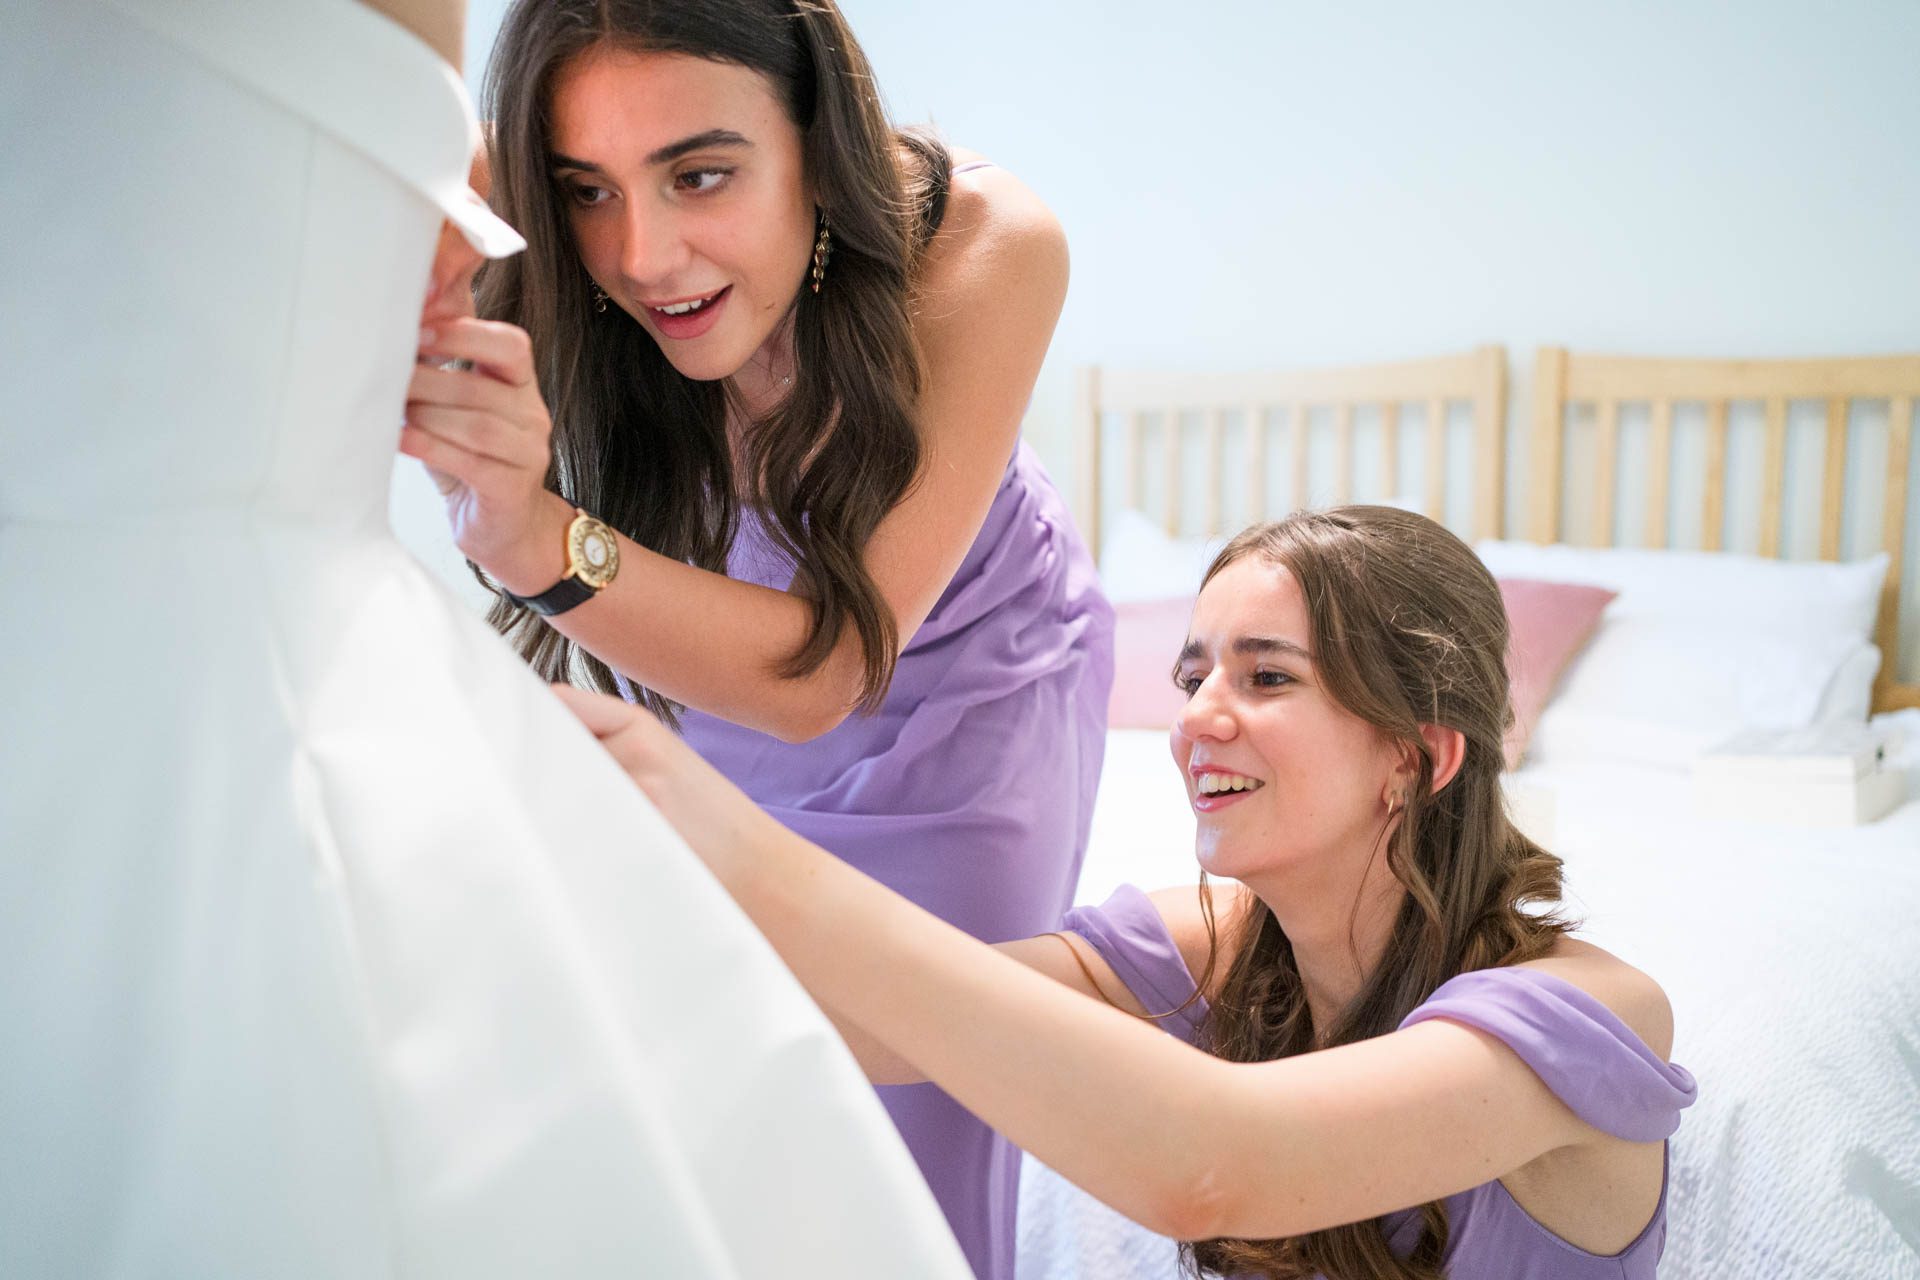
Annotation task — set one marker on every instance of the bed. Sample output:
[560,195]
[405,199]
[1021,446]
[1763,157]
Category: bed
[1791,955]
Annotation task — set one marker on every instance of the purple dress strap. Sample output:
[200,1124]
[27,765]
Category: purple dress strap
[1129,934]
[1576,1045]
[1582,1051]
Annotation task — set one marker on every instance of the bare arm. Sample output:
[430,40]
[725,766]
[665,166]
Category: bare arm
[1186,1144]
[1063,957]
[991,292]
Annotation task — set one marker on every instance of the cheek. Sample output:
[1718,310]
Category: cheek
[598,244]
[1181,748]
[1326,768]
[774,239]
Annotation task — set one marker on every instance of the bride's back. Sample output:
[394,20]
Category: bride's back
[330,945]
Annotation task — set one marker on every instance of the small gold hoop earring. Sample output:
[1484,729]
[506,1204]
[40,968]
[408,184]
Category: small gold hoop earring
[600,300]
[822,250]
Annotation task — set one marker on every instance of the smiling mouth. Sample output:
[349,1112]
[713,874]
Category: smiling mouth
[692,306]
[1220,784]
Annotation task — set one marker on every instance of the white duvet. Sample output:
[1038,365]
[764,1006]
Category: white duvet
[1792,958]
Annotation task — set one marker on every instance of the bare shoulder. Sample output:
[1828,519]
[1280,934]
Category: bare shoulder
[1185,915]
[1631,994]
[997,242]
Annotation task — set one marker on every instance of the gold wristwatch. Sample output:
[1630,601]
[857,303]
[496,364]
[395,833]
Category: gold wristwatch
[593,557]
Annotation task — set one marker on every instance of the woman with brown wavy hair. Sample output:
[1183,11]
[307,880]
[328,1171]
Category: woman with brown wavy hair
[1399,1063]
[740,440]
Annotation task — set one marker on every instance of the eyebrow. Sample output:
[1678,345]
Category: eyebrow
[665,155]
[1250,645]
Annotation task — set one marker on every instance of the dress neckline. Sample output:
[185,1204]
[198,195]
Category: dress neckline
[354,73]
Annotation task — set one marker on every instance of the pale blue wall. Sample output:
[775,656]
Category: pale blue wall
[1272,182]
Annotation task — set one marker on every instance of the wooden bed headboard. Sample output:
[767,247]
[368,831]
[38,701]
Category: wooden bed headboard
[1565,381]
[1256,407]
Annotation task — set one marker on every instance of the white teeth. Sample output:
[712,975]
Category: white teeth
[1212,784]
[682,308]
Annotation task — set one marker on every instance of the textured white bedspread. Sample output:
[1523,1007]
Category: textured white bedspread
[1792,958]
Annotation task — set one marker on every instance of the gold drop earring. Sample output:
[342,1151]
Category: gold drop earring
[822,250]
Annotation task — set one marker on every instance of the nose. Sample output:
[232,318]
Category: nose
[1207,713]
[653,251]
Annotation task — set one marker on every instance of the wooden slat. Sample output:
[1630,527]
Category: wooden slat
[1659,471]
[1774,492]
[1170,455]
[1547,446]
[1436,496]
[1713,517]
[1833,477]
[1301,417]
[1087,414]
[1606,472]
[1454,377]
[1490,442]
[1561,380]
[1652,378]
[1256,418]
[1136,445]
[1343,453]
[1216,434]
[1390,449]
[1888,694]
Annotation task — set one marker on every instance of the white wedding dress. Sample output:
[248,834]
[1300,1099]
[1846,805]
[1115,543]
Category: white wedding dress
[330,945]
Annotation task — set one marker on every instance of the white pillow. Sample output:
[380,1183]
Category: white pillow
[1661,692]
[1773,595]
[1699,646]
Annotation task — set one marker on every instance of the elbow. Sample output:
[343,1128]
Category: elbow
[804,723]
[814,706]
[1196,1204]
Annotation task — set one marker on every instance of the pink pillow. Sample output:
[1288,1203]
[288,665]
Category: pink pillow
[1549,623]
[1147,636]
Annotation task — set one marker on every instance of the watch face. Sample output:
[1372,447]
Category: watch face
[592,554]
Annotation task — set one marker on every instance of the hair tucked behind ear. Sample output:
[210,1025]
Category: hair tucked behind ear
[1408,628]
[645,448]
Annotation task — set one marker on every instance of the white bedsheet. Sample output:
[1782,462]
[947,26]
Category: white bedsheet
[1792,958]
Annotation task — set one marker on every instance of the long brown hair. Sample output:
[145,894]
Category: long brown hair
[644,448]
[1407,629]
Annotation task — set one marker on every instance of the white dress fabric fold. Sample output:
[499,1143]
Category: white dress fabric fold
[330,945]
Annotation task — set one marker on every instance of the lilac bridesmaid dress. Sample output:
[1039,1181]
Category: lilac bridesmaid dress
[1575,1044]
[970,790]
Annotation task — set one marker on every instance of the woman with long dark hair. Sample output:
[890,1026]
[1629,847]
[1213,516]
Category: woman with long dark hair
[740,440]
[1399,1063]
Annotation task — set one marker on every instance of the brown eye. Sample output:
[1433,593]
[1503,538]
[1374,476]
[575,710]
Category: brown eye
[701,180]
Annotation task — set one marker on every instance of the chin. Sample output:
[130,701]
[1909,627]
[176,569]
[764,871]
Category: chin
[1216,858]
[699,365]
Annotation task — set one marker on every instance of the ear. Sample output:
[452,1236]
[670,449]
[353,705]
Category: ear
[1449,750]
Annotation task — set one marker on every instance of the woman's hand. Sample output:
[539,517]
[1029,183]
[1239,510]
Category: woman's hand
[715,817]
[483,434]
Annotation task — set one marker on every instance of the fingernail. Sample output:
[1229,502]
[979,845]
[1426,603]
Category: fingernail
[427,336]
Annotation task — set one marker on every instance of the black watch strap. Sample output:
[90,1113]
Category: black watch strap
[560,597]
